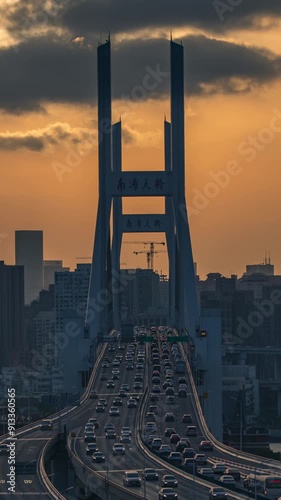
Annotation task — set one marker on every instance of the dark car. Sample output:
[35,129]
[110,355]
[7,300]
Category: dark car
[150,475]
[131,478]
[232,471]
[217,492]
[206,446]
[98,457]
[191,430]
[190,465]
[174,438]
[169,431]
[94,394]
[169,480]
[188,453]
[182,444]
[186,419]
[167,493]
[91,448]
[46,425]
[175,458]
[100,408]
[110,384]
[169,417]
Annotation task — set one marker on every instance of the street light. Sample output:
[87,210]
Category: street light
[241,420]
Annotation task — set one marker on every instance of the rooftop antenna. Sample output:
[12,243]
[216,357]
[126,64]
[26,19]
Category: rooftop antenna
[265,260]
[269,257]
[171,35]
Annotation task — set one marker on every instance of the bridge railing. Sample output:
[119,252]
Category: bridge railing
[205,430]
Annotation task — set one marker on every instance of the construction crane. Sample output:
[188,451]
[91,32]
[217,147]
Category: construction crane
[149,256]
[150,259]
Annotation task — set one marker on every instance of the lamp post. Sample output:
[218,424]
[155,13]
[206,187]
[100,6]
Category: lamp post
[241,420]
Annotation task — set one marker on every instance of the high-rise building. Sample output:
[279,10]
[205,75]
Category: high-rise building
[29,253]
[11,314]
[50,268]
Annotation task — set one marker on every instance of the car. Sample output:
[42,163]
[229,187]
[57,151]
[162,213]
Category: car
[151,437]
[94,422]
[234,472]
[228,480]
[118,449]
[174,438]
[131,403]
[139,366]
[122,393]
[137,386]
[182,393]
[206,446]
[190,465]
[91,448]
[125,387]
[105,364]
[114,411]
[100,408]
[186,419]
[182,380]
[131,478]
[108,426]
[115,376]
[138,378]
[89,427]
[89,437]
[150,475]
[201,459]
[207,472]
[154,397]
[156,389]
[170,400]
[169,391]
[103,377]
[169,417]
[167,383]
[153,409]
[156,443]
[125,438]
[110,384]
[150,427]
[164,450]
[4,449]
[191,430]
[150,416]
[169,431]
[129,366]
[116,362]
[169,480]
[182,444]
[102,402]
[98,457]
[117,401]
[126,430]
[216,492]
[219,468]
[175,458]
[167,493]
[46,425]
[94,394]
[188,453]
[155,380]
[110,434]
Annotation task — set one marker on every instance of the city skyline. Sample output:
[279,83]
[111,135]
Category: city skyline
[233,124]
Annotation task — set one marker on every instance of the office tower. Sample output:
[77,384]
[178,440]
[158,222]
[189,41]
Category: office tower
[29,253]
[50,268]
[11,314]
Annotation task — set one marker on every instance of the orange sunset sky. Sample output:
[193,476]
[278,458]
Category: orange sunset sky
[233,75]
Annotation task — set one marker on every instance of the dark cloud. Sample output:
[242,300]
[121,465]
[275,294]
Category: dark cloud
[46,70]
[92,17]
[95,16]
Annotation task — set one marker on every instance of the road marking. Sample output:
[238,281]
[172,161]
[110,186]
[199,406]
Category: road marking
[127,470]
[34,439]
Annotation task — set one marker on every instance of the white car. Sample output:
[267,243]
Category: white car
[126,430]
[226,479]
[125,438]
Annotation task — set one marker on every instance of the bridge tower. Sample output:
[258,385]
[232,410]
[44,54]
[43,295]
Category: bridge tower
[103,309]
